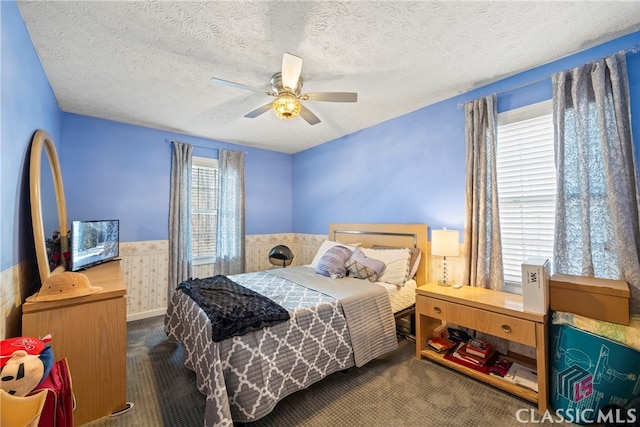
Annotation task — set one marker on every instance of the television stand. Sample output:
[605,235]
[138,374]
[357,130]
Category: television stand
[91,333]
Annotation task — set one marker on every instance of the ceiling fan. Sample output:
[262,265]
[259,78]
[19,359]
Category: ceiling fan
[286,87]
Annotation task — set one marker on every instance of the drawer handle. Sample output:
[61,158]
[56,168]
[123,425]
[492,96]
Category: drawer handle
[506,328]
[437,310]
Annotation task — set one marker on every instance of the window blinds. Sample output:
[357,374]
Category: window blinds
[526,187]
[204,210]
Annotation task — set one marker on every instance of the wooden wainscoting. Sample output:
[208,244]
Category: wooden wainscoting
[16,283]
[146,265]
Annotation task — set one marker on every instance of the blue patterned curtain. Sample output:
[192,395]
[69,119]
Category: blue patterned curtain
[483,243]
[180,267]
[230,239]
[597,227]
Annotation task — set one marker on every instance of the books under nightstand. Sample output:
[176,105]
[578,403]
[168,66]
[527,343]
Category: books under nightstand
[462,353]
[440,344]
[458,355]
[495,314]
[466,351]
[493,363]
[522,376]
[500,366]
[478,347]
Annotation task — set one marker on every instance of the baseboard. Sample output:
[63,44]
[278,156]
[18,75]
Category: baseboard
[146,314]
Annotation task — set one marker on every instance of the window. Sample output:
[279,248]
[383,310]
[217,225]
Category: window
[526,173]
[204,209]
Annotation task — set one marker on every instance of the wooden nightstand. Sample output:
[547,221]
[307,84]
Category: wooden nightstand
[484,310]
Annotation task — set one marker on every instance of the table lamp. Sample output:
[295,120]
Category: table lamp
[445,243]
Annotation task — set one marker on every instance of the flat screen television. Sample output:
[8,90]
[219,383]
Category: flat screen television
[94,242]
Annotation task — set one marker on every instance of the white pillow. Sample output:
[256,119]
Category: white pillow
[326,245]
[397,262]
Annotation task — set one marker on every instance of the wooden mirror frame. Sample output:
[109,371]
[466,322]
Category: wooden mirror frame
[42,141]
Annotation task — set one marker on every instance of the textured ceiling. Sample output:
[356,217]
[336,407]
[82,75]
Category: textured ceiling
[150,63]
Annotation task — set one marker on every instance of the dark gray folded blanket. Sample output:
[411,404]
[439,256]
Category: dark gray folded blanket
[232,309]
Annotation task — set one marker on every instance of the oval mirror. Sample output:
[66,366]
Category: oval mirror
[40,143]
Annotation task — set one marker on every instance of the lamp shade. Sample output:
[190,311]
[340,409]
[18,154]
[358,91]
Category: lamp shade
[280,255]
[286,106]
[445,242]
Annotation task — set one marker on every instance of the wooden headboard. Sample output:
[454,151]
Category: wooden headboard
[401,235]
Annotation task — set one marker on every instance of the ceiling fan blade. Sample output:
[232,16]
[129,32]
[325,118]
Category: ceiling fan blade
[330,96]
[259,110]
[291,68]
[238,85]
[308,116]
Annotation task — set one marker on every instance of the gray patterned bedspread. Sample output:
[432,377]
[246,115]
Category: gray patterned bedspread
[244,377]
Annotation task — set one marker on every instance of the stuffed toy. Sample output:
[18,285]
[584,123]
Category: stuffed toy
[24,363]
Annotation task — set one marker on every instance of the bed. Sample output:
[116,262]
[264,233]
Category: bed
[334,323]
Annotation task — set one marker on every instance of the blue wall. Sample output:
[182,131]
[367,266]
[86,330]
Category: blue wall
[27,104]
[113,170]
[394,172]
[411,169]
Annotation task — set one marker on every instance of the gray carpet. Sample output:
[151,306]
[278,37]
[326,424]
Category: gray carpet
[394,390]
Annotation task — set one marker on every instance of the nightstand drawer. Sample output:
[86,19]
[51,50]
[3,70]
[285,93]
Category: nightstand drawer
[511,328]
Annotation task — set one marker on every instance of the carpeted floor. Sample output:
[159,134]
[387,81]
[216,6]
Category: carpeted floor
[393,390]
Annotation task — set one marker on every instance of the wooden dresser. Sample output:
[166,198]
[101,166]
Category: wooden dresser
[497,313]
[91,332]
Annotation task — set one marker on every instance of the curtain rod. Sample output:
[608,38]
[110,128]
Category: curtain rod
[634,49]
[169,141]
[520,86]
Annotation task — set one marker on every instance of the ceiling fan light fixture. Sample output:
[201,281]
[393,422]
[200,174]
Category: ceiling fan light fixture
[286,106]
